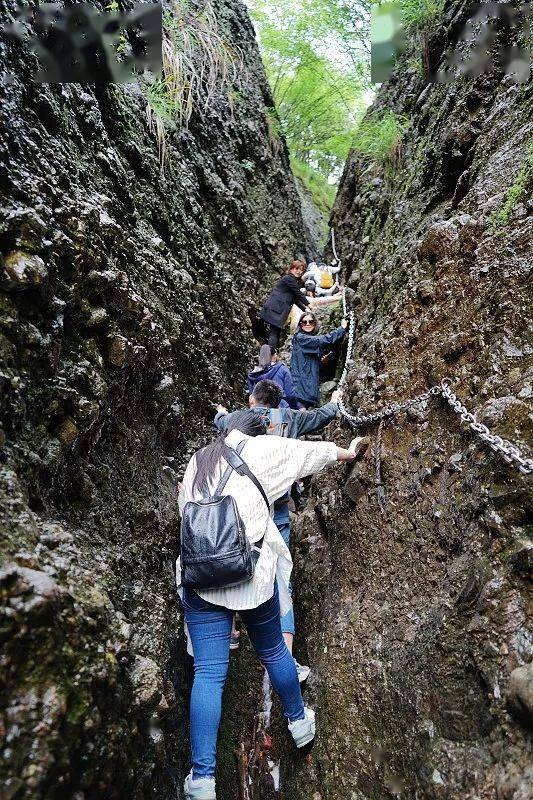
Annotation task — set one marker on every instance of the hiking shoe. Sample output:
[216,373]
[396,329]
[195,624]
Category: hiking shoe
[199,789]
[303,671]
[234,641]
[359,446]
[303,730]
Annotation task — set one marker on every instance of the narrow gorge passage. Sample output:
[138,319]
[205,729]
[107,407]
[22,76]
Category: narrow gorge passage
[132,266]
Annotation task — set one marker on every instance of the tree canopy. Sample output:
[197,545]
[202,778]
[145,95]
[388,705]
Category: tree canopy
[316,54]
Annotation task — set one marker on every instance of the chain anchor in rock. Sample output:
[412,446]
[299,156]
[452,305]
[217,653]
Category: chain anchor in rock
[507,450]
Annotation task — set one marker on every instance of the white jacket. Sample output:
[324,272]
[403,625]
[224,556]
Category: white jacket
[276,462]
[315,271]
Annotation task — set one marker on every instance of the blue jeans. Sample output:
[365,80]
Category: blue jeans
[210,630]
[282,522]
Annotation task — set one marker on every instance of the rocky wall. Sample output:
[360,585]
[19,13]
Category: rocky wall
[124,312]
[413,569]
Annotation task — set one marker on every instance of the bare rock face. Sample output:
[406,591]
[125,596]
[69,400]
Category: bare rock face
[124,299]
[412,569]
[520,695]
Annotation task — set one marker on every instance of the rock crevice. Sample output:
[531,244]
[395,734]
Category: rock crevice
[416,613]
[125,293]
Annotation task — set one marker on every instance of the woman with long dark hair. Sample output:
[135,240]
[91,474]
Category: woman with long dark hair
[286,293]
[307,348]
[276,462]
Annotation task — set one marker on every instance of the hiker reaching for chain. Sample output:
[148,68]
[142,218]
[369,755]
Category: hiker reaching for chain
[308,345]
[265,401]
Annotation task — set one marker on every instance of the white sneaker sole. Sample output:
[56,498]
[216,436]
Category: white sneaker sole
[199,793]
[303,674]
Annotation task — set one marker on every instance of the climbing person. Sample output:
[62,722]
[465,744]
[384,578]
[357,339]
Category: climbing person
[310,287]
[286,293]
[271,368]
[323,277]
[265,400]
[307,348]
[267,466]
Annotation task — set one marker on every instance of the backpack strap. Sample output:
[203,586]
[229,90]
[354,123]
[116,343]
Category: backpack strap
[275,416]
[236,463]
[227,472]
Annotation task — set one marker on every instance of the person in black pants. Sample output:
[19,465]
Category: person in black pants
[284,295]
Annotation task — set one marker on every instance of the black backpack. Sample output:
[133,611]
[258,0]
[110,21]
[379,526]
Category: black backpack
[215,551]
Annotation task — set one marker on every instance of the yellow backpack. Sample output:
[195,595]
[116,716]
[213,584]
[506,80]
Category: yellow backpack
[326,279]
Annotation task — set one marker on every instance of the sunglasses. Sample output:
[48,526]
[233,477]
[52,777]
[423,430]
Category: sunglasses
[307,322]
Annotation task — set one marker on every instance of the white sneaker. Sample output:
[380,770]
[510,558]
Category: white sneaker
[303,730]
[199,789]
[303,671]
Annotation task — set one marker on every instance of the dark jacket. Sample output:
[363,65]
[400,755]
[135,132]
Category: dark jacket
[278,304]
[305,363]
[278,373]
[296,423]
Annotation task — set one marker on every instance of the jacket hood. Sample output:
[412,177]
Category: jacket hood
[266,373]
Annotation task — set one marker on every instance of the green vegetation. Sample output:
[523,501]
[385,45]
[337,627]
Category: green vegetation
[516,191]
[316,57]
[421,14]
[379,138]
[413,21]
[322,192]
[274,129]
[198,67]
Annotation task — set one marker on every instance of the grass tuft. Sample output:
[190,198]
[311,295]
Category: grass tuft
[198,68]
[420,14]
[379,138]
[515,192]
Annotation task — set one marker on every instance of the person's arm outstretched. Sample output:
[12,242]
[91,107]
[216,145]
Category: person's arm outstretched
[315,419]
[279,462]
[221,418]
[296,290]
[351,453]
[333,336]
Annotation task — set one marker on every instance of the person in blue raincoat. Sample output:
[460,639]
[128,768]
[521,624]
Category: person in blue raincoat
[307,348]
[270,369]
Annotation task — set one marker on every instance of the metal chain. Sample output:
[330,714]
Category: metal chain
[351,334]
[333,245]
[506,449]
[380,489]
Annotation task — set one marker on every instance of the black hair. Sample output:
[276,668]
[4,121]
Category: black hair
[267,393]
[208,458]
[316,326]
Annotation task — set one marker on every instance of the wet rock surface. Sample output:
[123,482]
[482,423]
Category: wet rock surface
[124,301]
[413,570]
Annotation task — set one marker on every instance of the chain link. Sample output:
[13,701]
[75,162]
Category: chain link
[506,449]
[333,245]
